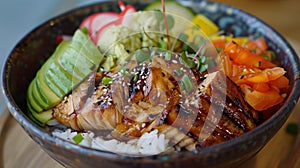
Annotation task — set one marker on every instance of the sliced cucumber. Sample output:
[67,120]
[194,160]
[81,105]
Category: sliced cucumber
[172,7]
[181,14]
[69,65]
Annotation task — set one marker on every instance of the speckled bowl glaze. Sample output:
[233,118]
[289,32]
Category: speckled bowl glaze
[27,57]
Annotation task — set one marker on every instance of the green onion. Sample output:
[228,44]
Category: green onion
[124,71]
[273,55]
[203,68]
[135,78]
[106,80]
[187,61]
[168,56]
[264,56]
[186,83]
[85,30]
[163,44]
[178,72]
[78,138]
[292,128]
[219,49]
[141,55]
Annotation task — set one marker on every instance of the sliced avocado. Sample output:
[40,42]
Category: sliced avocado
[39,118]
[41,75]
[81,42]
[69,65]
[79,67]
[62,79]
[46,93]
[32,99]
[37,96]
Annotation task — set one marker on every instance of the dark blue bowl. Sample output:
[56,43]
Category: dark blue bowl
[28,55]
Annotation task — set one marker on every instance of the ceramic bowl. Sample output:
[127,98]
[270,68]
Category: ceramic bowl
[28,55]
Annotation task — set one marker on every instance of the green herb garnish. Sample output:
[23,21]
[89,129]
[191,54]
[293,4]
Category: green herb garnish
[78,138]
[85,30]
[186,83]
[142,55]
[106,80]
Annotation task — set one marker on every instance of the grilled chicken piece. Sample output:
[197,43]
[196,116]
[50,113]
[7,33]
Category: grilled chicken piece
[152,92]
[219,118]
[98,113]
[151,96]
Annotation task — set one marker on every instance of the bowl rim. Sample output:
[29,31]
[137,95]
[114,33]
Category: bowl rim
[282,113]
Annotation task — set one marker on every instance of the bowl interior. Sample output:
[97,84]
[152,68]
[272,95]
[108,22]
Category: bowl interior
[30,53]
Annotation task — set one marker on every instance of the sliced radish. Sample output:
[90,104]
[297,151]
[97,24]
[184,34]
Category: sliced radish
[102,19]
[126,15]
[99,33]
[122,5]
[86,22]
[61,38]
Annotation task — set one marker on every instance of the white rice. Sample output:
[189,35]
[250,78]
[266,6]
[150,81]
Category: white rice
[150,143]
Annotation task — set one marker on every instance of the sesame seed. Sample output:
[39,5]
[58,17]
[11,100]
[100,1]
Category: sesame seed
[174,61]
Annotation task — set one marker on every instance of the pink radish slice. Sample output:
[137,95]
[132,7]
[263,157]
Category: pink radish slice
[99,33]
[126,15]
[124,19]
[61,38]
[102,19]
[86,22]
[121,5]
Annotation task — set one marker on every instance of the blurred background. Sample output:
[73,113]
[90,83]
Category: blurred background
[19,17]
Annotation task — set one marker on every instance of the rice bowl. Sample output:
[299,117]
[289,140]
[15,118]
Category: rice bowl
[137,147]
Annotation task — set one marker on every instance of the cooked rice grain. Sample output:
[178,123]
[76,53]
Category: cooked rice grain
[150,143]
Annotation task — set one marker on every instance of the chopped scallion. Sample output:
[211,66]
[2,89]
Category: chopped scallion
[141,55]
[135,78]
[186,83]
[178,72]
[78,138]
[106,80]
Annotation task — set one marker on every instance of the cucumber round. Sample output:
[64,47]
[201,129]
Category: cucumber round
[181,15]
[172,7]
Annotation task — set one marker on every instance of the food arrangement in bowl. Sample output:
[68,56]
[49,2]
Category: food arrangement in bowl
[156,84]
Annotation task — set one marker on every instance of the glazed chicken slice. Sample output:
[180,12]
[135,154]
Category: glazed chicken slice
[96,111]
[219,118]
[151,95]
